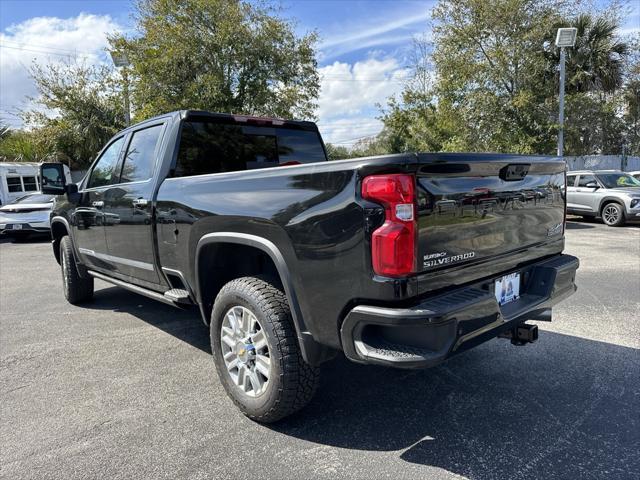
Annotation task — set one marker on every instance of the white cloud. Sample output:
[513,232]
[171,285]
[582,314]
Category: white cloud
[46,40]
[349,94]
[378,33]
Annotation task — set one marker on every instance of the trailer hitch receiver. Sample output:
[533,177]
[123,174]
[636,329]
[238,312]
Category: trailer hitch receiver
[522,334]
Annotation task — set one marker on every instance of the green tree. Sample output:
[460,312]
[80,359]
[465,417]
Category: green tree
[494,81]
[23,145]
[219,55]
[78,108]
[337,152]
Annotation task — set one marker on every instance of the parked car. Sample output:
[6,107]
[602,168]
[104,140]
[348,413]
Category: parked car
[635,175]
[611,195]
[27,215]
[398,260]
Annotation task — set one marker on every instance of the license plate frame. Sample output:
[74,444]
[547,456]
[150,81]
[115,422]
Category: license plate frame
[507,288]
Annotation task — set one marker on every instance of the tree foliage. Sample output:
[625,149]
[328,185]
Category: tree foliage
[494,81]
[219,55]
[23,146]
[78,109]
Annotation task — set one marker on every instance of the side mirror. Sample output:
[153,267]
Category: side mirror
[52,178]
[592,185]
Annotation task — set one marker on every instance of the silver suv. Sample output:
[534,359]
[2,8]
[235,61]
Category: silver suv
[610,194]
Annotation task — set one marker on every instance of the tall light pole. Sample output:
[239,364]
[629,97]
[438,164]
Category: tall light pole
[120,60]
[566,37]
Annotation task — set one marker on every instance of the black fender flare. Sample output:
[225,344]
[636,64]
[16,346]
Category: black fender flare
[82,270]
[58,219]
[312,352]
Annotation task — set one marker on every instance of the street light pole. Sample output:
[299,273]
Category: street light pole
[120,60]
[561,101]
[566,37]
[127,111]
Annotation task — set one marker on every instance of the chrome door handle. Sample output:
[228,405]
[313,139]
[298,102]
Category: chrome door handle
[140,202]
[97,204]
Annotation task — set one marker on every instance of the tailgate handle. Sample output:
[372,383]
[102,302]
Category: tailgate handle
[514,172]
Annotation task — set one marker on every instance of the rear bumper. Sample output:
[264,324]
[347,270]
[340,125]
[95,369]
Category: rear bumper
[442,326]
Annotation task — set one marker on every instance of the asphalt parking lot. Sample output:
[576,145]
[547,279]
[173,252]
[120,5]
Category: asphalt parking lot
[125,388]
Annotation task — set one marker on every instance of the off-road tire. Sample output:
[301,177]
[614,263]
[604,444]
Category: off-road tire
[615,219]
[76,289]
[292,382]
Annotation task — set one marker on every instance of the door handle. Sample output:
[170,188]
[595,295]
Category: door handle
[140,202]
[97,204]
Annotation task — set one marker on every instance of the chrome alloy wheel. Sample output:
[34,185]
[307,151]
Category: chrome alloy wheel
[245,351]
[65,272]
[610,214]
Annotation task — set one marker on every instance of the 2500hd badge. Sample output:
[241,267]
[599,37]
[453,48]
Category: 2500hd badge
[441,258]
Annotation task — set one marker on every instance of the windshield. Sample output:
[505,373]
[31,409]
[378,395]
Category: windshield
[34,198]
[617,180]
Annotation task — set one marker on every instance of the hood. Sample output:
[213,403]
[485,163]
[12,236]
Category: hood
[627,190]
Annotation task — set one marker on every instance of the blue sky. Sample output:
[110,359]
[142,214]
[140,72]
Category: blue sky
[362,55]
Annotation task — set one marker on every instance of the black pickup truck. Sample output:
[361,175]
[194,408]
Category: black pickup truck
[398,260]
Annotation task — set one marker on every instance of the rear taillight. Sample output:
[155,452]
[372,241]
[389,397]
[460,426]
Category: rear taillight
[393,245]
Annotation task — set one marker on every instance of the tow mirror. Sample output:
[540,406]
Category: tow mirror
[52,178]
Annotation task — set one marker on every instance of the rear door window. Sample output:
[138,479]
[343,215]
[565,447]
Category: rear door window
[571,180]
[140,158]
[212,147]
[585,179]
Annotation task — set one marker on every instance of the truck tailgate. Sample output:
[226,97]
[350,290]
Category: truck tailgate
[473,208]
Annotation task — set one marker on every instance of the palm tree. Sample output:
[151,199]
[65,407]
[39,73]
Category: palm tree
[596,63]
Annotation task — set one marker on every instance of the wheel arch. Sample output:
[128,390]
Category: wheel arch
[607,200]
[59,228]
[257,256]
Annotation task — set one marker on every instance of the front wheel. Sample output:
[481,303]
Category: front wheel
[256,352]
[613,215]
[76,289]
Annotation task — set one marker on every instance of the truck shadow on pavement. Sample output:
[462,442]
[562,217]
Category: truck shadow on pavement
[575,225]
[185,325]
[565,407]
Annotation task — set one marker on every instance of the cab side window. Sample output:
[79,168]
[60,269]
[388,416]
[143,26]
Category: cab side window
[585,179]
[141,155]
[103,171]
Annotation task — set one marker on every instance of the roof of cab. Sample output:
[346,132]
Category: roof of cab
[574,172]
[228,117]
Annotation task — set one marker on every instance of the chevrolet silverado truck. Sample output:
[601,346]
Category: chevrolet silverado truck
[398,260]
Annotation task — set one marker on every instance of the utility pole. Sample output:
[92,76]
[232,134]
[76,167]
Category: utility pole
[566,37]
[120,60]
[127,111]
[561,101]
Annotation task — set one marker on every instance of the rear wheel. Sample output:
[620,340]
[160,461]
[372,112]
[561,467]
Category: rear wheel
[613,215]
[256,351]
[76,289]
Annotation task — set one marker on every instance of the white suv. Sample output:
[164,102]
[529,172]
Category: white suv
[611,195]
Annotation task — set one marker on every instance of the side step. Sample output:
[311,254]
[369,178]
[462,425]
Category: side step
[173,297]
[178,295]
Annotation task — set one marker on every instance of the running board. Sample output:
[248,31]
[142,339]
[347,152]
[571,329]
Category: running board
[136,289]
[178,295]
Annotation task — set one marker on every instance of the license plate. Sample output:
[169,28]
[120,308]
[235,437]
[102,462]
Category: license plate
[15,226]
[508,288]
